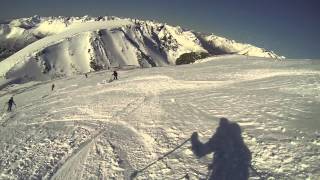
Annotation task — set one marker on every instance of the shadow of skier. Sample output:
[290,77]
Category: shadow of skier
[231,159]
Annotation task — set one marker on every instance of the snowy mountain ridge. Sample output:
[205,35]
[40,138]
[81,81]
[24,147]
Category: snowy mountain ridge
[42,48]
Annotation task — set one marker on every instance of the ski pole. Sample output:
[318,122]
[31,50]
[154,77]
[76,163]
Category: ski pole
[136,172]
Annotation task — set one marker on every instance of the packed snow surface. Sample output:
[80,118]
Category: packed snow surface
[90,128]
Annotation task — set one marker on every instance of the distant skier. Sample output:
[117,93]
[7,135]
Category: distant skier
[115,75]
[232,158]
[52,87]
[86,74]
[10,104]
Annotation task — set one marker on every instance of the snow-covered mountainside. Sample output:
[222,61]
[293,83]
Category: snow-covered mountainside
[88,128]
[46,47]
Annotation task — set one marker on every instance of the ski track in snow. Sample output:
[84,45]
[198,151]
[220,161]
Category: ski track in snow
[87,129]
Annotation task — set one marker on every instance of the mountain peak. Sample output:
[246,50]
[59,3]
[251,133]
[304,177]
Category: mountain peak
[58,46]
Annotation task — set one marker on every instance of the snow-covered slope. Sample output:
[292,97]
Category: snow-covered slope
[90,129]
[47,47]
[232,47]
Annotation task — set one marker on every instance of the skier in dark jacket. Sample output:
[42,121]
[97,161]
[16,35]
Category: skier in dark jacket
[10,104]
[52,87]
[115,75]
[231,159]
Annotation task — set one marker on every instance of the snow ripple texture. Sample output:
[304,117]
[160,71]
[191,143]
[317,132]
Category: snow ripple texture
[88,128]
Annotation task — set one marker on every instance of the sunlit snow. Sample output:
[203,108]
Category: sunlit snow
[88,128]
